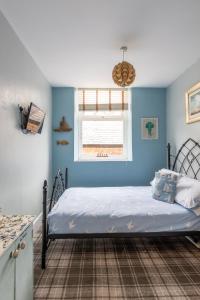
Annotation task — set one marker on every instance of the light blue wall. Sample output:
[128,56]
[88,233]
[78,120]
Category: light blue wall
[148,156]
[25,160]
[177,129]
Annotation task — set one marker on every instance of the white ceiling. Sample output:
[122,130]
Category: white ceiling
[76,42]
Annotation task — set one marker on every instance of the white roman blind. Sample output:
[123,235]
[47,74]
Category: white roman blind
[103,99]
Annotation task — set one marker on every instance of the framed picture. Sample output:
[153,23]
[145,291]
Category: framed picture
[193,104]
[149,128]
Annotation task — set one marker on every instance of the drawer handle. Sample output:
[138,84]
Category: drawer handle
[23,245]
[15,253]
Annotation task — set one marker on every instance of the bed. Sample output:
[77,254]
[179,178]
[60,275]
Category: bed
[118,211]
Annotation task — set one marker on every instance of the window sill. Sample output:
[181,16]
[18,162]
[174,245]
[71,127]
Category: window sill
[103,160]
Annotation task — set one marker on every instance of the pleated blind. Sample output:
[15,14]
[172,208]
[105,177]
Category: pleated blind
[103,99]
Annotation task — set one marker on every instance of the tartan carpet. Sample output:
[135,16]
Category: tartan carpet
[139,268]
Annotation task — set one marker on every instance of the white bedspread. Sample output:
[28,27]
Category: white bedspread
[117,209]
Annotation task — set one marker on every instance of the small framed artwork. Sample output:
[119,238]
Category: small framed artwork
[193,104]
[149,128]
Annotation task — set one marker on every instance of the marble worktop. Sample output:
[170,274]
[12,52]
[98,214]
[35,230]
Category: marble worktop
[11,227]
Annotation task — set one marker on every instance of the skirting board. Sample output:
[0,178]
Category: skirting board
[196,244]
[37,223]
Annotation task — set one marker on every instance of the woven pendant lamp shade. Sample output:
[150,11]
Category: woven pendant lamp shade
[123,73]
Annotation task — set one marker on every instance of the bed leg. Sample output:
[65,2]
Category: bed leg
[43,263]
[44,226]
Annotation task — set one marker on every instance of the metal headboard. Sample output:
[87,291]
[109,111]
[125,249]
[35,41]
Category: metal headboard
[58,189]
[187,160]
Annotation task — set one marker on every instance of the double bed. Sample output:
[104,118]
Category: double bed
[118,211]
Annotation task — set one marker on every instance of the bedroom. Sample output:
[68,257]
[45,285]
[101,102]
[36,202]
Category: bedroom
[60,56]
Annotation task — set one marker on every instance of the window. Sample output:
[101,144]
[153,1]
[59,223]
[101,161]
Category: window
[102,125]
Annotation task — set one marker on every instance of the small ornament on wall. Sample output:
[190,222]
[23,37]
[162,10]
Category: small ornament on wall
[64,126]
[149,128]
[62,142]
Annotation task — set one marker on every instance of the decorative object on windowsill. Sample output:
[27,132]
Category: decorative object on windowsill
[32,119]
[64,127]
[123,73]
[102,155]
[192,99]
[149,128]
[62,142]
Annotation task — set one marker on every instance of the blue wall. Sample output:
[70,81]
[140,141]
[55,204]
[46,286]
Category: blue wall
[148,156]
[177,129]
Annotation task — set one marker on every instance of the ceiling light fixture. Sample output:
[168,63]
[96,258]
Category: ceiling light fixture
[123,73]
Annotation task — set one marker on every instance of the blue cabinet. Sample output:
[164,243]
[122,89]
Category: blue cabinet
[7,275]
[16,269]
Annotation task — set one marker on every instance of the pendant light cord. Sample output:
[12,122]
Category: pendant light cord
[124,49]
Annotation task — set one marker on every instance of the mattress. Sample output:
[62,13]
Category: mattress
[117,209]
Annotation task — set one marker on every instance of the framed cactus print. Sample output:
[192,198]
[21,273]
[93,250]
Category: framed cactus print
[149,128]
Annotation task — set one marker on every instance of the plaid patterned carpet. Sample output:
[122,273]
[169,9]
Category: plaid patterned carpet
[167,268]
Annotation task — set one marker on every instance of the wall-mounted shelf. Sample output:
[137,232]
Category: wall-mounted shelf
[64,127]
[62,142]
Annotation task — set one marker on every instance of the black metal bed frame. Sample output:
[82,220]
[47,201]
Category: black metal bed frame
[186,161]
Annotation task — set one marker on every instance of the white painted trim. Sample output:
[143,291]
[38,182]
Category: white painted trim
[130,126]
[37,219]
[37,223]
[197,245]
[128,156]
[76,126]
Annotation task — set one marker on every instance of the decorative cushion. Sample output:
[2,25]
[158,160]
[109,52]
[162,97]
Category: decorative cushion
[164,172]
[167,171]
[164,187]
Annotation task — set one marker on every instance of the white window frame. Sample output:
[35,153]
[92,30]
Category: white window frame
[78,117]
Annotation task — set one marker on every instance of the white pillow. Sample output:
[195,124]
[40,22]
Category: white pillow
[196,211]
[187,192]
